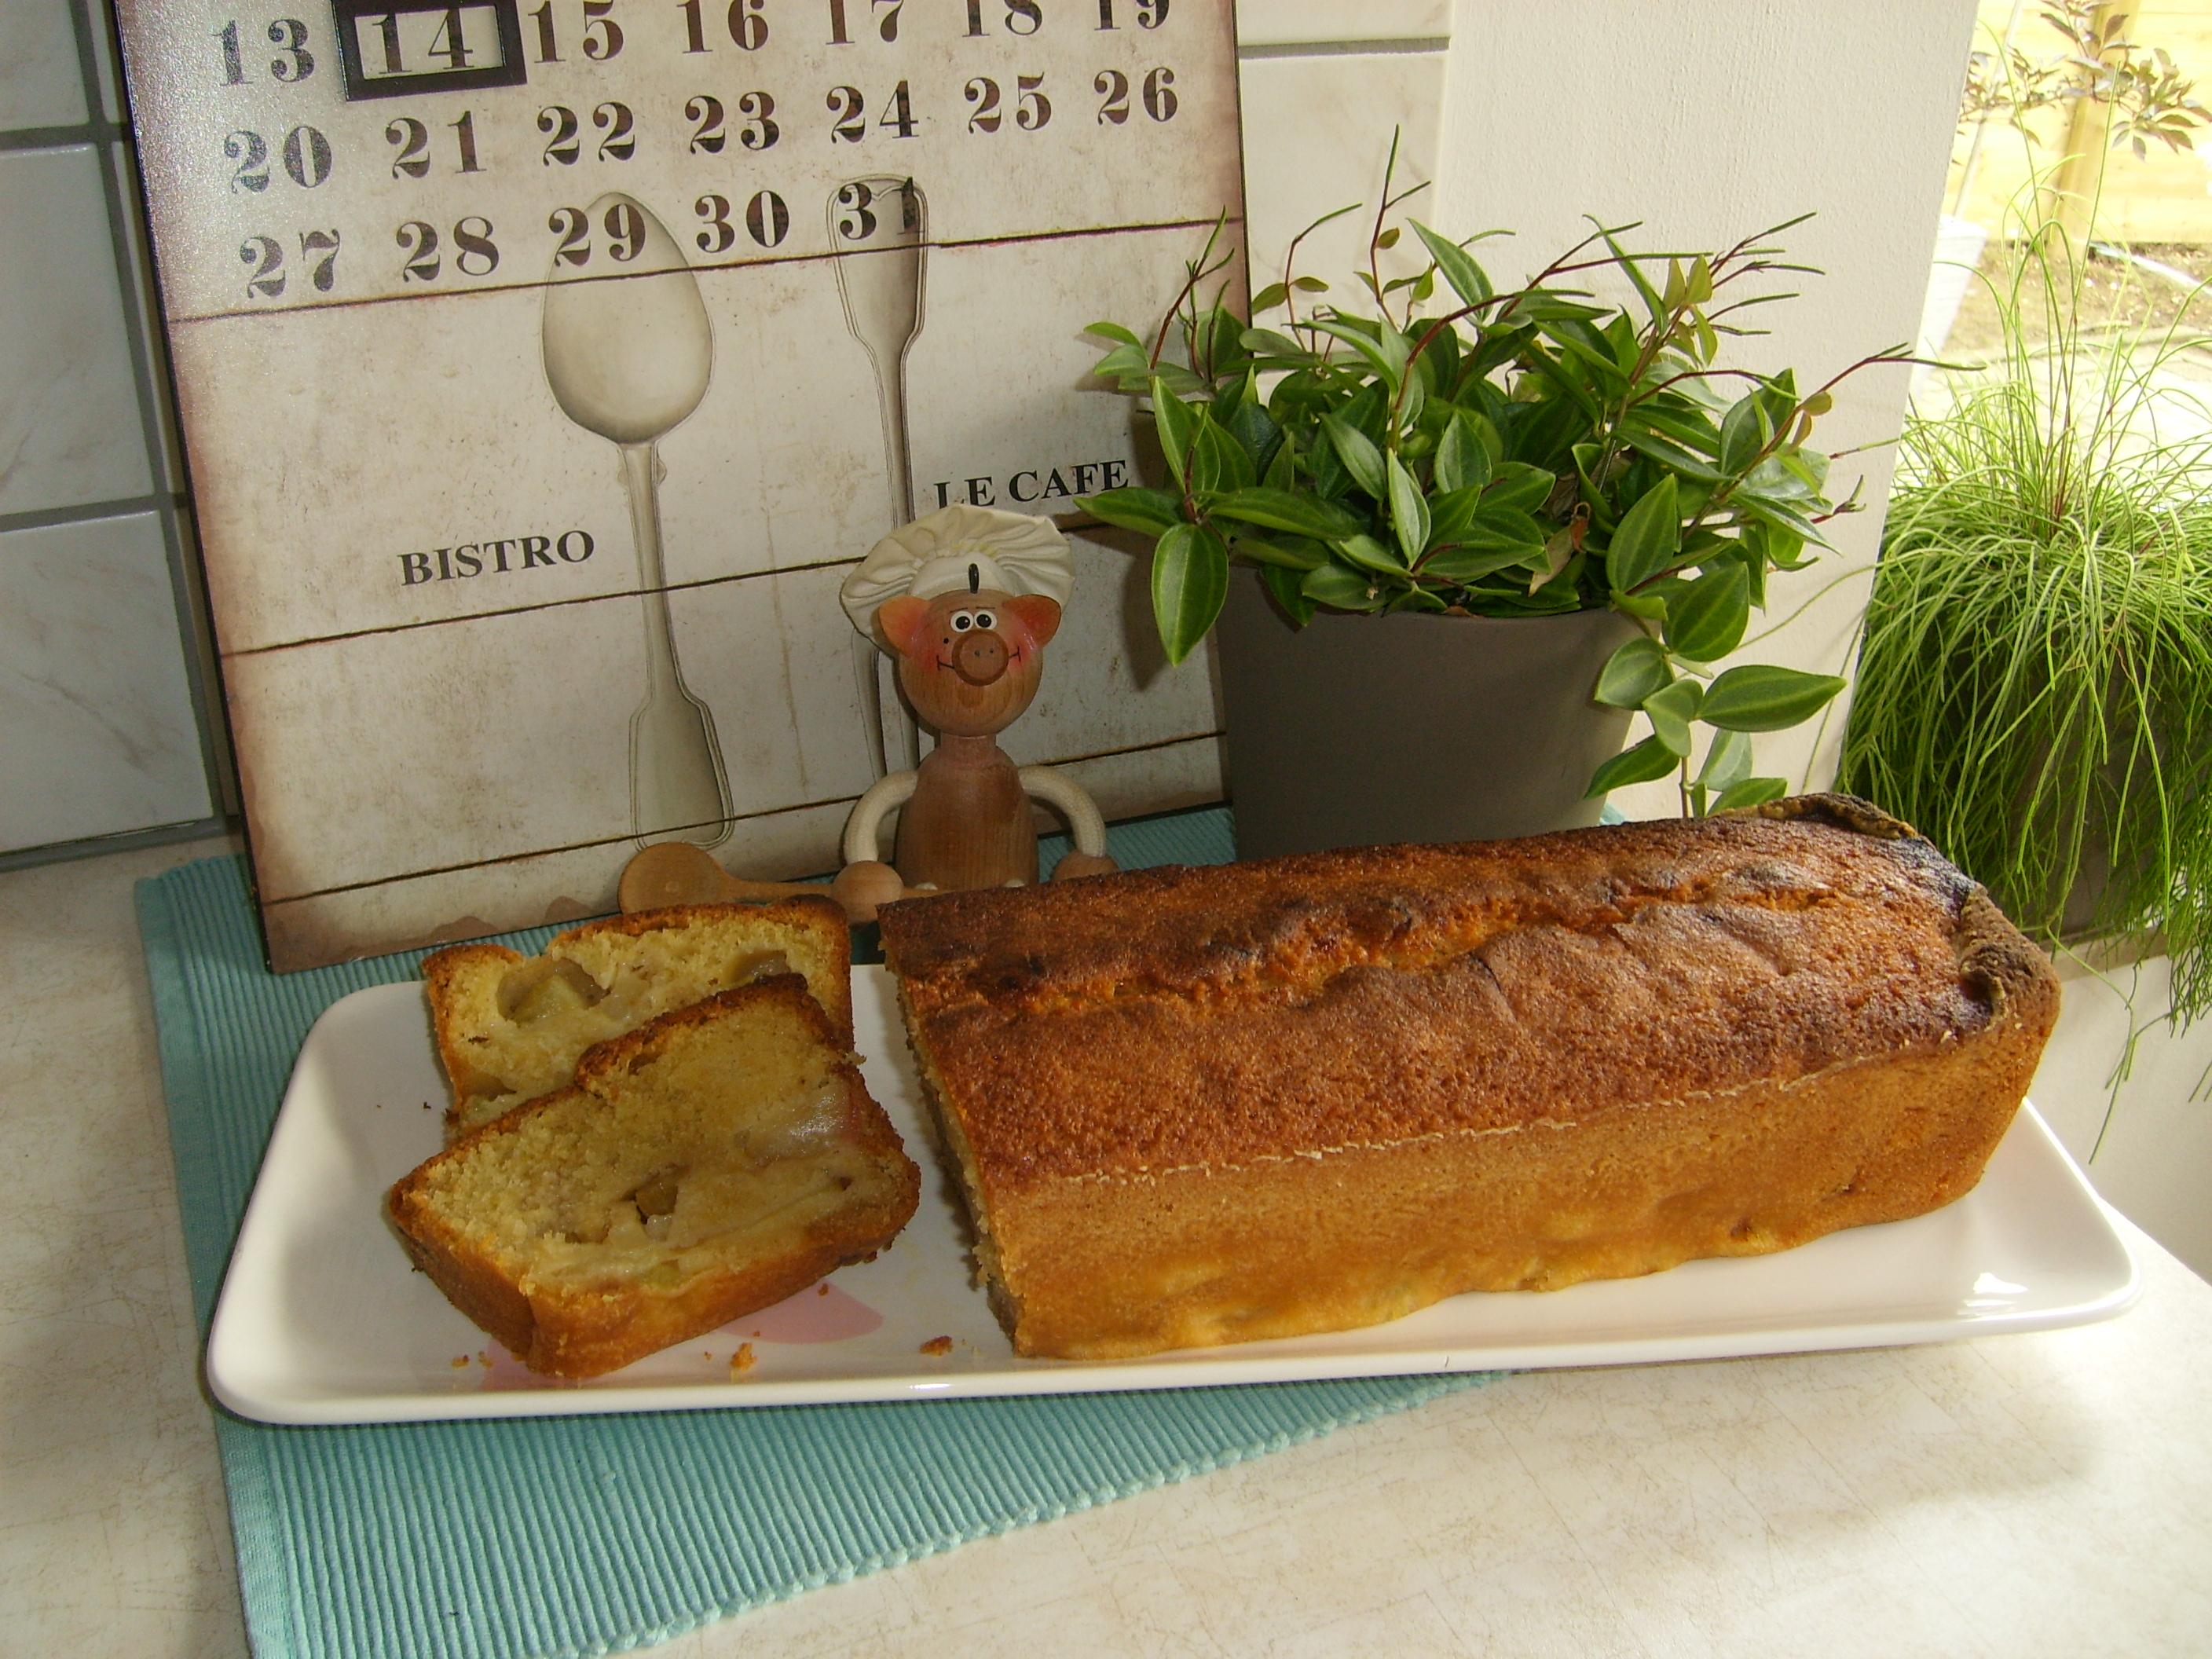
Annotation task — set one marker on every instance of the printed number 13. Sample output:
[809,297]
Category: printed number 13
[288,35]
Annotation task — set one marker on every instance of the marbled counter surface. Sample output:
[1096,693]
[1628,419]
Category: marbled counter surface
[2016,1495]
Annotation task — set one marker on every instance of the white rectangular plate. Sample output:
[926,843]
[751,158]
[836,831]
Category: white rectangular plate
[322,1319]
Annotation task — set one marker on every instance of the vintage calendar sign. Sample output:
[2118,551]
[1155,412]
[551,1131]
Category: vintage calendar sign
[544,364]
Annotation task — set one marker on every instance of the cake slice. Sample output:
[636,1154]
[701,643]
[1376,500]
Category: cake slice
[511,1027]
[712,1162]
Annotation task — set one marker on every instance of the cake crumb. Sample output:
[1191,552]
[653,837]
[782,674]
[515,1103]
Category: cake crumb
[822,1289]
[459,1361]
[741,1361]
[938,1346]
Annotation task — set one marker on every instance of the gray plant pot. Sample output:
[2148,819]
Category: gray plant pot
[1357,730]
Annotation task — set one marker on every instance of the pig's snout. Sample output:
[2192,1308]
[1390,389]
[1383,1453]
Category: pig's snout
[980,657]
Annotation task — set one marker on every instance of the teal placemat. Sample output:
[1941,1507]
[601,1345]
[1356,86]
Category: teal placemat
[590,1535]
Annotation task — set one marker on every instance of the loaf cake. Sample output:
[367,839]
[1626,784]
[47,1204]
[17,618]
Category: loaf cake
[1199,1106]
[710,1163]
[510,1028]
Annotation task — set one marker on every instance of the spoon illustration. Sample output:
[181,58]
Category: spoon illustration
[877,228]
[628,354]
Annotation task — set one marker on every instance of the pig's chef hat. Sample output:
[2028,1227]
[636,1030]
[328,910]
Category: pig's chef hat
[960,548]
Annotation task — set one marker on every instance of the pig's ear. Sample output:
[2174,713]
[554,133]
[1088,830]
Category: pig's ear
[1038,614]
[899,623]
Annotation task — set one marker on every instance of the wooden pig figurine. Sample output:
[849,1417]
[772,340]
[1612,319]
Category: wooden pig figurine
[965,600]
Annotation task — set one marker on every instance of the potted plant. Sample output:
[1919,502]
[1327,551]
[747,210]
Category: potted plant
[2035,682]
[1511,517]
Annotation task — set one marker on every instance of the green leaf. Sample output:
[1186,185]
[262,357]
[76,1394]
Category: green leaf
[1744,431]
[1465,564]
[1783,549]
[1668,453]
[1751,792]
[1190,580]
[1648,538]
[1517,485]
[1369,554]
[1648,760]
[1113,332]
[1753,504]
[1466,278]
[1255,429]
[1651,607]
[1451,515]
[1178,425]
[1681,421]
[1632,673]
[1760,698]
[1218,461]
[1409,514]
[1124,365]
[1461,461]
[1282,467]
[1672,708]
[1181,381]
[1297,554]
[1643,289]
[1411,399]
[1291,510]
[1728,761]
[1418,598]
[1266,343]
[1283,585]
[1501,526]
[1341,589]
[1705,621]
[1269,297]
[1361,458]
[1378,355]
[1153,511]
[1442,357]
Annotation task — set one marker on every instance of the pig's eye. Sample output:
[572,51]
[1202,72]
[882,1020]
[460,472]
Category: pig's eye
[962,622]
[984,619]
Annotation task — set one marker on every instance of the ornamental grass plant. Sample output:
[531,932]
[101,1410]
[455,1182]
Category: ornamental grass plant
[2034,689]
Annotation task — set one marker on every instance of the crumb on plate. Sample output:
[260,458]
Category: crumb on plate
[938,1346]
[741,1361]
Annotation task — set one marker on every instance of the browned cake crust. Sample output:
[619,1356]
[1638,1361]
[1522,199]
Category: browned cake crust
[1194,1106]
[492,1218]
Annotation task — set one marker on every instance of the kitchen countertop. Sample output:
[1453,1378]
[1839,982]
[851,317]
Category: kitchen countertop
[2014,1495]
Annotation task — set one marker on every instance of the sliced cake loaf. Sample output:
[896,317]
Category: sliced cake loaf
[712,1162]
[510,1028]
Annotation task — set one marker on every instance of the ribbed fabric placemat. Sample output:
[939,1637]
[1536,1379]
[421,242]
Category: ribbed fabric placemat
[592,1534]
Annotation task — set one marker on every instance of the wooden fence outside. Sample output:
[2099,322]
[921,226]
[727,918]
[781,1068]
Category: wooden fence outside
[2165,198]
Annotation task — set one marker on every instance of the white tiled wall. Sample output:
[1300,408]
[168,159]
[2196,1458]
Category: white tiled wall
[69,432]
[107,709]
[39,85]
[93,701]
[100,693]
